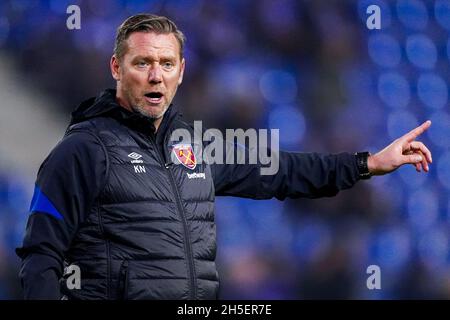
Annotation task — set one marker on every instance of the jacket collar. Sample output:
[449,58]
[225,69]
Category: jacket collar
[105,105]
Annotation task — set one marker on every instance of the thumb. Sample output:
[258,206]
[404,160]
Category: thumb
[413,158]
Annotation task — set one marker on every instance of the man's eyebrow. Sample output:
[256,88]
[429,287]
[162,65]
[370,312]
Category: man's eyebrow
[167,56]
[142,57]
[151,58]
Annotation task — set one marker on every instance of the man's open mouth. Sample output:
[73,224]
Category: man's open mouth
[154,97]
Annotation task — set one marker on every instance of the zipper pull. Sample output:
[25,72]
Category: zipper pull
[168,165]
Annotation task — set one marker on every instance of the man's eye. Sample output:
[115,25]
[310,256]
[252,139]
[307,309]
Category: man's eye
[168,65]
[141,64]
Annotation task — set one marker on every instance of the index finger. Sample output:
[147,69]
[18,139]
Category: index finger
[413,134]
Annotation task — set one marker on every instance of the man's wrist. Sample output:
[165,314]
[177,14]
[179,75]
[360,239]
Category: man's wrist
[371,165]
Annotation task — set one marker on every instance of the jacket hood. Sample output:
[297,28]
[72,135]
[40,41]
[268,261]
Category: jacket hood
[93,107]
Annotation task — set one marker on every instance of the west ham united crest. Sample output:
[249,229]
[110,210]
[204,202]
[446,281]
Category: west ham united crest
[185,155]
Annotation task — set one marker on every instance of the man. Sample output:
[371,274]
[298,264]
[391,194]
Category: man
[109,200]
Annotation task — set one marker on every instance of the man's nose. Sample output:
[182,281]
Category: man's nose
[155,74]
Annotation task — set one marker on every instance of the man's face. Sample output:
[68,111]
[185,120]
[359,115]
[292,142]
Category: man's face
[149,73]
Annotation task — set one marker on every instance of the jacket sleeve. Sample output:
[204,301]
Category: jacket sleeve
[68,182]
[309,175]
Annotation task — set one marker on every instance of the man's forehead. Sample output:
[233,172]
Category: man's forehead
[148,42]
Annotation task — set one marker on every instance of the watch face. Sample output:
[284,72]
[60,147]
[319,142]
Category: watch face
[362,165]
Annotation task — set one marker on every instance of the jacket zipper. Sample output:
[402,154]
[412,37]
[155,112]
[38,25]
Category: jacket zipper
[187,240]
[108,256]
[123,280]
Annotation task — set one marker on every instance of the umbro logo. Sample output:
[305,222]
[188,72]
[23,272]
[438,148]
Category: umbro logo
[135,155]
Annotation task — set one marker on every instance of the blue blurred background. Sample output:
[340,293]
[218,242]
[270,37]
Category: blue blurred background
[310,68]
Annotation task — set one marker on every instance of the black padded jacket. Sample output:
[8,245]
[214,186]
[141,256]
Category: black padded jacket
[110,200]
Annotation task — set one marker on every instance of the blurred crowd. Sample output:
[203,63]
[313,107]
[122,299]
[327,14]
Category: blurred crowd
[315,71]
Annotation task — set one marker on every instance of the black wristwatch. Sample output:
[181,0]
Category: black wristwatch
[363,168]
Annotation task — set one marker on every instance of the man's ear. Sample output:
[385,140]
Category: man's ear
[180,79]
[115,68]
